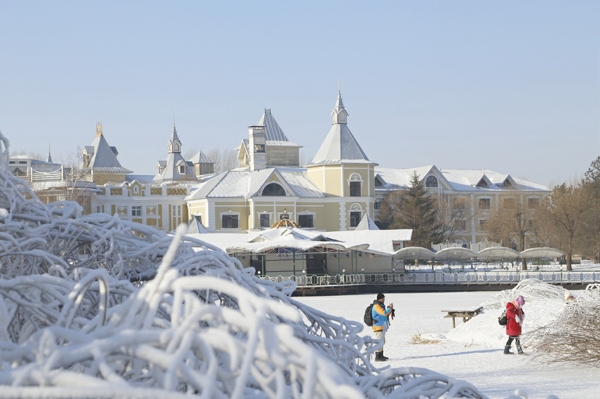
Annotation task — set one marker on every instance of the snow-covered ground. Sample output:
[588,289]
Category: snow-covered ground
[473,350]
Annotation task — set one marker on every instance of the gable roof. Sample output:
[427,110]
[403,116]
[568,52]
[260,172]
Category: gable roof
[245,184]
[366,223]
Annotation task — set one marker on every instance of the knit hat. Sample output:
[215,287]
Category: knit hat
[380,295]
[520,301]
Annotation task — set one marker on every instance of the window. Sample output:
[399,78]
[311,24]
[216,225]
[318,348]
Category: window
[483,224]
[482,183]
[273,190]
[229,221]
[136,189]
[431,181]
[176,210]
[259,148]
[378,182]
[306,221]
[460,224]
[506,183]
[459,203]
[484,203]
[533,203]
[136,211]
[377,205]
[355,218]
[355,189]
[181,169]
[265,220]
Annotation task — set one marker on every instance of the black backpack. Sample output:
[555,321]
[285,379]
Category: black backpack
[369,316]
[502,320]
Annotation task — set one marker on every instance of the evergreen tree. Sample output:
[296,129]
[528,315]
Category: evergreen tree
[414,209]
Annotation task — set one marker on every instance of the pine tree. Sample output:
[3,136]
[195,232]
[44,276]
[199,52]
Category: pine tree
[415,209]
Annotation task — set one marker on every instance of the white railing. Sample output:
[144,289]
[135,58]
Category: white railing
[441,278]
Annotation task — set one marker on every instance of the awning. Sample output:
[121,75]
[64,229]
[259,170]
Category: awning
[497,253]
[413,253]
[455,253]
[545,252]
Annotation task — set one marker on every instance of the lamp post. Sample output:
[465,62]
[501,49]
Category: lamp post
[343,276]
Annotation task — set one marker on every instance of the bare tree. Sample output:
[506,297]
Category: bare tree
[224,159]
[563,214]
[514,221]
[453,214]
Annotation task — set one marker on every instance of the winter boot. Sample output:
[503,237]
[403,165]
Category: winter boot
[384,357]
[507,350]
[379,357]
[520,350]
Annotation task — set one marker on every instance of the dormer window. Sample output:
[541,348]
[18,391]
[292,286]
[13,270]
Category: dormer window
[378,182]
[431,181]
[506,184]
[482,184]
[273,190]
[181,169]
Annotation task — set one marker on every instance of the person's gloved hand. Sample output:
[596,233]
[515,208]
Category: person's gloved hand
[517,319]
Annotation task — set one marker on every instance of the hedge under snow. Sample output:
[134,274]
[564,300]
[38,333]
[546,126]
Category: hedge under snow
[92,306]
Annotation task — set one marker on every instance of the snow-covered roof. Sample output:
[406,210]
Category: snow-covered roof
[497,253]
[200,157]
[104,157]
[380,241]
[456,179]
[366,223]
[171,167]
[246,184]
[339,145]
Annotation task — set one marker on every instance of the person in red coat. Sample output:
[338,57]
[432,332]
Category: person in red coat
[515,316]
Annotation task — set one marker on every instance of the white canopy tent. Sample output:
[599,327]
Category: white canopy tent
[455,253]
[414,253]
[498,253]
[544,252]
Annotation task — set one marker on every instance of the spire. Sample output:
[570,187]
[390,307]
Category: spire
[98,129]
[49,160]
[174,143]
[339,114]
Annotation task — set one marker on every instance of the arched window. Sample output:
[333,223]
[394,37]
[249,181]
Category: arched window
[431,181]
[356,214]
[355,182]
[273,190]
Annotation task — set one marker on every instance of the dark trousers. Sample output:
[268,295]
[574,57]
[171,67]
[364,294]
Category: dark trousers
[516,339]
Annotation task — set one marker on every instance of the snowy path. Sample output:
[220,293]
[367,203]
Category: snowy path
[480,363]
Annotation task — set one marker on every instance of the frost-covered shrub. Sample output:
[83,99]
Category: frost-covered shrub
[573,336]
[95,307]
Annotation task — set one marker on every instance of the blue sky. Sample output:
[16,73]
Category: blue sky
[509,86]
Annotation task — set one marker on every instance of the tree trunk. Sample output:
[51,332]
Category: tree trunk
[522,248]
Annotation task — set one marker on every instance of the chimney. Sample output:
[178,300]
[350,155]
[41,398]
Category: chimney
[258,147]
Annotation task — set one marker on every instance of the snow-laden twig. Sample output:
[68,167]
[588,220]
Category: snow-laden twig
[94,306]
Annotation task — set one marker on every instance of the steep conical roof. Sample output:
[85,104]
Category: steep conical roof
[104,158]
[339,145]
[272,128]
